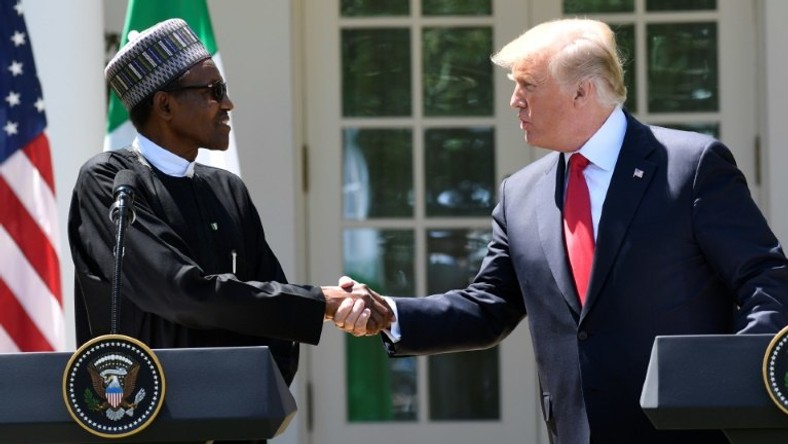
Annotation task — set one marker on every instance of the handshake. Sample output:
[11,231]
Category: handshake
[357,309]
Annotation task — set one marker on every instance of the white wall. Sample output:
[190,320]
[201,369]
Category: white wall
[68,49]
[775,118]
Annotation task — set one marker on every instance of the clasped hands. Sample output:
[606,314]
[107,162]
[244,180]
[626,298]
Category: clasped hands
[356,309]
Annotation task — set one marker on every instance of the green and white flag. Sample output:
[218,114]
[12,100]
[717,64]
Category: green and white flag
[140,15]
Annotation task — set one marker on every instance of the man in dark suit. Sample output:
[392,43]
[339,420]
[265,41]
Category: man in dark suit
[673,244]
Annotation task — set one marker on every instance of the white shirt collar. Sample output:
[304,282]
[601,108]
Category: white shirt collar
[603,147]
[165,161]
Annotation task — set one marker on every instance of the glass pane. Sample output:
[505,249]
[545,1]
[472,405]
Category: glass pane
[680,5]
[376,72]
[682,67]
[360,8]
[710,129]
[453,7]
[378,173]
[591,6]
[625,38]
[383,259]
[477,373]
[379,388]
[453,259]
[460,171]
[457,71]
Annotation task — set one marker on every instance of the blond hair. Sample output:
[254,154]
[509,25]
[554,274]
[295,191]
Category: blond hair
[576,50]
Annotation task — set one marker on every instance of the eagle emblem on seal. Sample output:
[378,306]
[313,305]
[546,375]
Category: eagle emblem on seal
[113,386]
[114,381]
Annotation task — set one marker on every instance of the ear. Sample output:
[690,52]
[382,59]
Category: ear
[584,91]
[162,105]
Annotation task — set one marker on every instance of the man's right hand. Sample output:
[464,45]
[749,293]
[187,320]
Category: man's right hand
[356,309]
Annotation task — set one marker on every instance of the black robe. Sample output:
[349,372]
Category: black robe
[178,284]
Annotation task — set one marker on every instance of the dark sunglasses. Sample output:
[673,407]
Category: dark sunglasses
[218,89]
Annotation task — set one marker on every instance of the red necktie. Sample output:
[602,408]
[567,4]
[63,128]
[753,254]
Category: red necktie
[578,228]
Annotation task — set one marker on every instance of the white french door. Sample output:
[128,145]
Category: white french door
[409,133]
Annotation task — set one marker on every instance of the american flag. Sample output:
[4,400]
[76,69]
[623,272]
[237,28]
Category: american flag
[31,303]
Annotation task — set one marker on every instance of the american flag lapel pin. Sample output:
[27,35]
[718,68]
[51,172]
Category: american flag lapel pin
[638,173]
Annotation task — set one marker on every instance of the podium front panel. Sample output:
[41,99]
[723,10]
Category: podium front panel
[710,382]
[212,393]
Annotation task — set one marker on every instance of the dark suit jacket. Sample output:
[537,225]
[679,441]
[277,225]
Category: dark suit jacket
[681,249]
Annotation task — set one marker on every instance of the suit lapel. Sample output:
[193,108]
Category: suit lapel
[631,177]
[551,234]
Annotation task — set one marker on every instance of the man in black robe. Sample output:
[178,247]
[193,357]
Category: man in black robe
[197,270]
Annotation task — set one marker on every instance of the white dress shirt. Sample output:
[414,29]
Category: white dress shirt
[165,161]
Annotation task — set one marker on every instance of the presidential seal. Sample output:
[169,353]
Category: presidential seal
[775,369]
[113,386]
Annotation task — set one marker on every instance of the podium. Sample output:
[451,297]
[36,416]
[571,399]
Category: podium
[713,382]
[212,393]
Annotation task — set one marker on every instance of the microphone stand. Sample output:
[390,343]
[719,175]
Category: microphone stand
[122,208]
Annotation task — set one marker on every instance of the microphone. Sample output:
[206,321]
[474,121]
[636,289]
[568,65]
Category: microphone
[124,187]
[121,213]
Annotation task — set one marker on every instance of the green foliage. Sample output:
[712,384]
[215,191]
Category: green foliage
[91,401]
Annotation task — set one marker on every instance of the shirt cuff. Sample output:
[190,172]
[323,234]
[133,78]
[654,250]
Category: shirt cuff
[393,332]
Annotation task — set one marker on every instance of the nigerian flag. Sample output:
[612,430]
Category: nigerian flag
[140,15]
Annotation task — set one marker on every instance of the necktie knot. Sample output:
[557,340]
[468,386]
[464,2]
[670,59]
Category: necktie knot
[577,163]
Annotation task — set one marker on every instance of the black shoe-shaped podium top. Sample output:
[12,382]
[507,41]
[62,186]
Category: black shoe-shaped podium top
[212,394]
